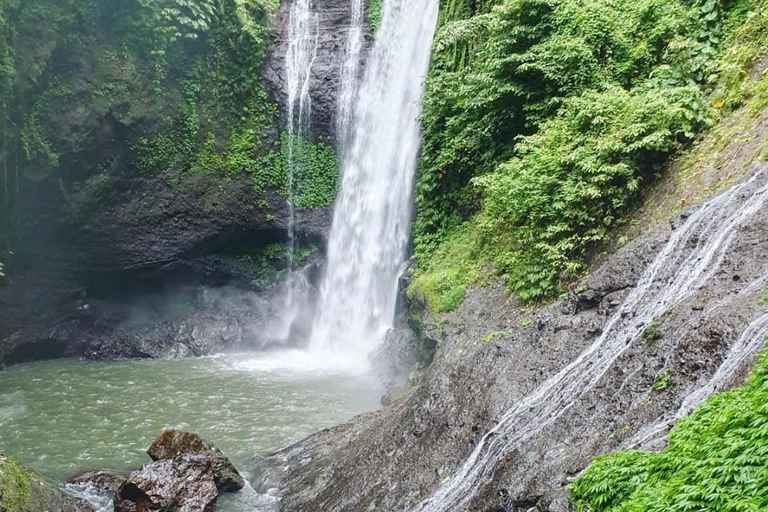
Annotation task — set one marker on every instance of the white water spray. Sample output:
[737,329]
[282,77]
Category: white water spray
[371,222]
[690,258]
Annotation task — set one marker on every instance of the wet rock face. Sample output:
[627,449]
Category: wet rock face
[101,482]
[173,443]
[493,352]
[193,233]
[334,18]
[184,484]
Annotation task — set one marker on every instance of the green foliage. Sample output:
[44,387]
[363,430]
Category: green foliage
[715,460]
[661,382]
[316,171]
[736,83]
[268,264]
[136,88]
[494,336]
[375,10]
[764,300]
[652,331]
[442,278]
[571,180]
[544,120]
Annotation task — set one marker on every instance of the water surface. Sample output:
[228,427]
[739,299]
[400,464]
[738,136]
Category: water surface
[64,416]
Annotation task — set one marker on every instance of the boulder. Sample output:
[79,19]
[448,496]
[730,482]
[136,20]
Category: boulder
[100,482]
[181,484]
[172,443]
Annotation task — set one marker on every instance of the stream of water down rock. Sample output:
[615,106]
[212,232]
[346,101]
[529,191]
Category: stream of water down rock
[689,259]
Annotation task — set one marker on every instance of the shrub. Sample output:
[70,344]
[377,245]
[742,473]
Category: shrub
[715,460]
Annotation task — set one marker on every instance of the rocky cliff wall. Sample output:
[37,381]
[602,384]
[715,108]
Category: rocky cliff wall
[334,18]
[493,352]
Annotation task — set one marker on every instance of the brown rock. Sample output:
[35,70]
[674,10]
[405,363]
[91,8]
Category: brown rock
[172,443]
[182,484]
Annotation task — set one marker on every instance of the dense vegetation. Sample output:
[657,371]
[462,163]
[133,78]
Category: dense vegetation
[715,460]
[99,93]
[545,120]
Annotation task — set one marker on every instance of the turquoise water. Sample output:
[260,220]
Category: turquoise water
[61,417]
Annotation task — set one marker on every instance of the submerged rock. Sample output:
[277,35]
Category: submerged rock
[172,443]
[183,484]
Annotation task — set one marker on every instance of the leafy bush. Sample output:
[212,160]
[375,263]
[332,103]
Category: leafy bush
[545,120]
[715,460]
[375,8]
[735,83]
[573,178]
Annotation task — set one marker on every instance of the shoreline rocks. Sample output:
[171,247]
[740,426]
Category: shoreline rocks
[186,474]
[184,484]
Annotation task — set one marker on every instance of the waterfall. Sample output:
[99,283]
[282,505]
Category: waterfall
[689,259]
[371,222]
[349,71]
[303,31]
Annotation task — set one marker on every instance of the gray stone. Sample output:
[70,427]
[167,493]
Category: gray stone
[182,484]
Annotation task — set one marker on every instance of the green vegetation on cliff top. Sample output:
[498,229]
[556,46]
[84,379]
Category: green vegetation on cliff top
[545,120]
[715,460]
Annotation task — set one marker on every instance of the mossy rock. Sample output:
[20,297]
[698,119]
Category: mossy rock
[23,490]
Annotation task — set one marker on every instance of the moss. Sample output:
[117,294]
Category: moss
[441,280]
[494,336]
[21,490]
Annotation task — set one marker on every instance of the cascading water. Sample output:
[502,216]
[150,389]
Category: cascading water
[752,339]
[689,259]
[371,222]
[303,29]
[349,71]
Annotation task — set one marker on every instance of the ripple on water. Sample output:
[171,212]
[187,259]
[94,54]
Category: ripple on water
[61,417]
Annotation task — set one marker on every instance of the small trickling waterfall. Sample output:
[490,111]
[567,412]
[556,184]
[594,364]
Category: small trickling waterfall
[689,259]
[752,339]
[349,71]
[372,214]
[303,29]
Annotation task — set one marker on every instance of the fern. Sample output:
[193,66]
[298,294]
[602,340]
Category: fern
[715,460]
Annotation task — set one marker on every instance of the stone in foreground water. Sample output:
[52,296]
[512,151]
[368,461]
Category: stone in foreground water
[172,443]
[183,484]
